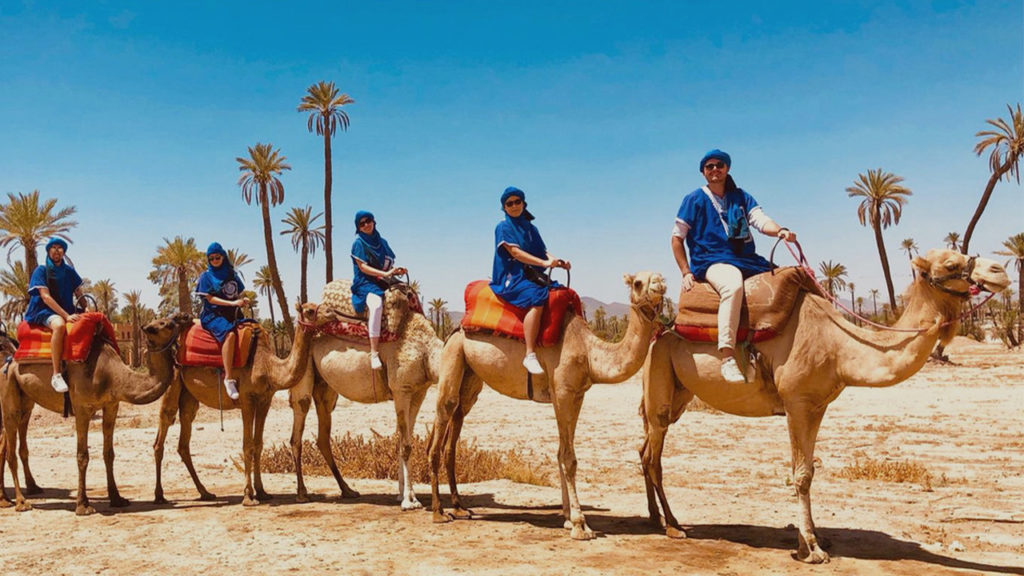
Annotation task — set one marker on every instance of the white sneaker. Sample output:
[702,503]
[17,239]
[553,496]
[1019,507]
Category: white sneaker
[231,386]
[58,383]
[375,362]
[532,365]
[731,372]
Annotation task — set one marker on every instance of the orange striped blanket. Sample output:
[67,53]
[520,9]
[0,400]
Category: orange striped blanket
[34,341]
[710,333]
[486,312]
[197,347]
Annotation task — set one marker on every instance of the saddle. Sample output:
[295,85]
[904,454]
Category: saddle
[34,341]
[399,300]
[197,347]
[485,312]
[768,302]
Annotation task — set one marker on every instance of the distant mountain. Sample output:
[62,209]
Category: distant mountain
[612,309]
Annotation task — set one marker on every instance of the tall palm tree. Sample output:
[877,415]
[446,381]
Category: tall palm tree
[952,240]
[238,259]
[1015,250]
[874,300]
[436,306]
[259,179]
[14,289]
[910,247]
[1007,143]
[323,102]
[834,274]
[132,306]
[305,236]
[882,206]
[28,222]
[264,284]
[178,262]
[106,296]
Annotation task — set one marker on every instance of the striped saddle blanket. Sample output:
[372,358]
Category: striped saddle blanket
[197,347]
[485,312]
[355,332]
[34,341]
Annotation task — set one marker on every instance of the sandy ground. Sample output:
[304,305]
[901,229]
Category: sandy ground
[727,478]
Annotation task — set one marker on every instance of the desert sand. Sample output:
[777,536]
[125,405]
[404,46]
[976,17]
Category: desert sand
[727,478]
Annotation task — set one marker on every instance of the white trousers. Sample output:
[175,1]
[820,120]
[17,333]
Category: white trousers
[375,307]
[727,280]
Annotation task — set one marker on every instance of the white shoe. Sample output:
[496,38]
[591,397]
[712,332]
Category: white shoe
[231,386]
[532,365]
[375,362]
[731,372]
[58,383]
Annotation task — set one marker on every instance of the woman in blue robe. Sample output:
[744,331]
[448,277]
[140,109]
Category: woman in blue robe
[52,291]
[520,258]
[221,288]
[372,273]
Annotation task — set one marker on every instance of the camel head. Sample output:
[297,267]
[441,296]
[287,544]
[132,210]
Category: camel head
[955,273]
[313,316]
[8,345]
[162,332]
[646,291]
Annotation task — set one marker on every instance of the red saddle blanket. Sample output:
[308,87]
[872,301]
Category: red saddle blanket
[710,334]
[34,341]
[486,312]
[197,347]
[355,332]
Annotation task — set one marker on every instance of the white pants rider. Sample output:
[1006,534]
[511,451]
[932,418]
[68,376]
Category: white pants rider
[727,280]
[374,307]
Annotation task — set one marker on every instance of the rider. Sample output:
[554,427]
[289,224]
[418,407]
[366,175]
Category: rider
[373,273]
[52,291]
[221,290]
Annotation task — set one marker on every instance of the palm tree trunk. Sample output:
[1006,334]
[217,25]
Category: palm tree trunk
[302,276]
[985,196]
[876,224]
[184,302]
[1020,301]
[328,221]
[136,338]
[275,277]
[273,322]
[30,260]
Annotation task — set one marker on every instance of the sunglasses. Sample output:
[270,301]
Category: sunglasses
[513,202]
[216,257]
[365,221]
[714,166]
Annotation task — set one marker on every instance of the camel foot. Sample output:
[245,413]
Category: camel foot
[413,504]
[460,513]
[442,517]
[207,496]
[250,501]
[119,502]
[582,533]
[22,507]
[263,496]
[302,498]
[159,500]
[348,493]
[84,510]
[675,533]
[815,556]
[5,503]
[33,489]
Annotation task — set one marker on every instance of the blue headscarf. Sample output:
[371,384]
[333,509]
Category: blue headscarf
[376,247]
[715,154]
[521,227]
[513,191]
[56,274]
[223,273]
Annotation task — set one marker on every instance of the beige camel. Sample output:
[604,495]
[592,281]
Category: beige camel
[571,366]
[803,369]
[257,383]
[102,381]
[410,367]
[8,346]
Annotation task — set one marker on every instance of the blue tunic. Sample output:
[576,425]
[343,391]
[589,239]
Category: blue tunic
[707,240]
[507,279]
[219,320]
[374,251]
[37,311]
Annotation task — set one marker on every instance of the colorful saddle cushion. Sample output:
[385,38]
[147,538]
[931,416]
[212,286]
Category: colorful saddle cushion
[355,332]
[486,312]
[197,347]
[768,301]
[34,341]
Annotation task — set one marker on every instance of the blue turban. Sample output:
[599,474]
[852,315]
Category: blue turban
[513,191]
[360,215]
[55,241]
[717,155]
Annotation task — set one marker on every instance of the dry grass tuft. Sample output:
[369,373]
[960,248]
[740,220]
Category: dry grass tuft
[888,471]
[378,458]
[698,405]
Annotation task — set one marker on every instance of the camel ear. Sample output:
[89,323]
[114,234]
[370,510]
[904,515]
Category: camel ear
[922,264]
[627,279]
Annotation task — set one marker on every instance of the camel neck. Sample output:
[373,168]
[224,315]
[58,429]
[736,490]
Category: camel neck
[612,362]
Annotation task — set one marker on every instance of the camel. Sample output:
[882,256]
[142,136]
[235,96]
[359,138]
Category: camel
[798,373]
[102,381]
[257,383]
[571,366]
[341,367]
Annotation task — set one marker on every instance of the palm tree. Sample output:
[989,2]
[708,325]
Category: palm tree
[952,240]
[14,289]
[27,222]
[860,305]
[1007,143]
[834,274]
[323,103]
[436,306]
[882,206]
[264,285]
[259,175]
[910,247]
[874,300]
[132,306]
[238,259]
[179,262]
[1015,250]
[106,296]
[306,236]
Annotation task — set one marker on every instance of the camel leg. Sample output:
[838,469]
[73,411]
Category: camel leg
[300,407]
[109,419]
[248,416]
[471,387]
[260,420]
[31,487]
[568,402]
[82,417]
[188,406]
[325,399]
[407,406]
[168,411]
[10,402]
[453,362]
[803,432]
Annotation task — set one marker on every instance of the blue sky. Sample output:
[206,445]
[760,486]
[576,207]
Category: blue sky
[135,112]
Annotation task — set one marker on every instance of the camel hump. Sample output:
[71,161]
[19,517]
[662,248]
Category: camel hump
[399,300]
[34,341]
[769,299]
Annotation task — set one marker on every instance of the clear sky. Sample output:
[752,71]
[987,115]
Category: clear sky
[135,112]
